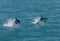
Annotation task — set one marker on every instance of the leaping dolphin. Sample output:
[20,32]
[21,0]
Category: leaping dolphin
[42,19]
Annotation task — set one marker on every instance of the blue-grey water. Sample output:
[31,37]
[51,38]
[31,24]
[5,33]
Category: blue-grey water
[26,11]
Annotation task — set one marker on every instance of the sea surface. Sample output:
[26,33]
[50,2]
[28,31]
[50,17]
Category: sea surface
[26,11]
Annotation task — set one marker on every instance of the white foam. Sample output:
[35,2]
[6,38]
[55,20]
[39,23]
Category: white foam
[36,20]
[9,23]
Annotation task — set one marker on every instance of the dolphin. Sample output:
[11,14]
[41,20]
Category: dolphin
[42,19]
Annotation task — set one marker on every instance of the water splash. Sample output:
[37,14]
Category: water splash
[9,23]
[36,20]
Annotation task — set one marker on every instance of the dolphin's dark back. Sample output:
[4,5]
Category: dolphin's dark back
[43,19]
[17,21]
